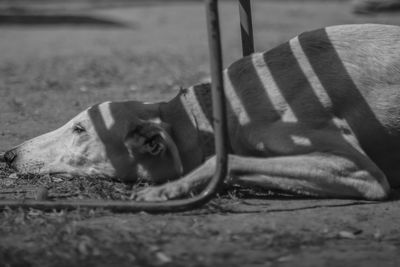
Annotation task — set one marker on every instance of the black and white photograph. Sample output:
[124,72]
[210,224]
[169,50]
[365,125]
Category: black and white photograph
[199,133]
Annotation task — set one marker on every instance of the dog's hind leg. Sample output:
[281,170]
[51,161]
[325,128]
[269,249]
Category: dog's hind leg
[318,174]
[315,174]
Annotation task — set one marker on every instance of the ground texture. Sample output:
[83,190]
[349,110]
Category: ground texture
[50,70]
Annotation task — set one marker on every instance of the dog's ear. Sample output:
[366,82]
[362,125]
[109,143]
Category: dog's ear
[152,138]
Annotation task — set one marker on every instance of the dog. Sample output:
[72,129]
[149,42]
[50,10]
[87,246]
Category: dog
[318,115]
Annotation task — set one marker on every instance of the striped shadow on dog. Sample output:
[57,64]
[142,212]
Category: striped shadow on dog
[318,115]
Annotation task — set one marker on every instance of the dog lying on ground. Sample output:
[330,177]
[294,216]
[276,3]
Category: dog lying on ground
[318,115]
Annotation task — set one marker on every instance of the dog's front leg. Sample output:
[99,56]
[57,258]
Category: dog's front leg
[179,188]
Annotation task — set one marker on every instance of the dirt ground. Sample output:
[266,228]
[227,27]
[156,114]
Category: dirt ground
[50,71]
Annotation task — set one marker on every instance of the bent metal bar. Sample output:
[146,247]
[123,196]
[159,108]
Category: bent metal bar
[220,131]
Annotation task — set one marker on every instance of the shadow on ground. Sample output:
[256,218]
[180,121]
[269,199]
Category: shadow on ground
[60,19]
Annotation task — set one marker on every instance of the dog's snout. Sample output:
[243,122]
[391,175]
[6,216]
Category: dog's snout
[9,157]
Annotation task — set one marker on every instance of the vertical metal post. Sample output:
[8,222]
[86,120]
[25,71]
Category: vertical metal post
[246,27]
[218,95]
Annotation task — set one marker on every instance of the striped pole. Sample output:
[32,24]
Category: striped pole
[246,27]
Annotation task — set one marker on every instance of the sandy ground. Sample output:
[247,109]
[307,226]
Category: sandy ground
[49,73]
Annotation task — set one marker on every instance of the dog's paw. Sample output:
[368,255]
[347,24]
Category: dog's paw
[150,194]
[159,193]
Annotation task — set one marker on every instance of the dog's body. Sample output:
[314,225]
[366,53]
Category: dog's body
[318,115]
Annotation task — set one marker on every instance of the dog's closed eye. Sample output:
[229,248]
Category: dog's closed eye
[78,128]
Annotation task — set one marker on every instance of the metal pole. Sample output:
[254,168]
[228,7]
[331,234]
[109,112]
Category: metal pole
[218,97]
[220,129]
[246,27]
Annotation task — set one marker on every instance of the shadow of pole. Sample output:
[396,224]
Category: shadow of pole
[60,20]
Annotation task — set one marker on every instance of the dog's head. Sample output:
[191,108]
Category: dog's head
[123,140]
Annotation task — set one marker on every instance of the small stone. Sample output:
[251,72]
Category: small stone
[56,179]
[163,258]
[133,87]
[346,235]
[378,234]
[13,175]
[285,258]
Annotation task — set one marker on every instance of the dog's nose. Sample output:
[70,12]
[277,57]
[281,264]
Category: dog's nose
[9,157]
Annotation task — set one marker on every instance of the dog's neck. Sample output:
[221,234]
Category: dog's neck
[190,117]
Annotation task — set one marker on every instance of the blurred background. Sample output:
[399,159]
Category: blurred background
[59,57]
